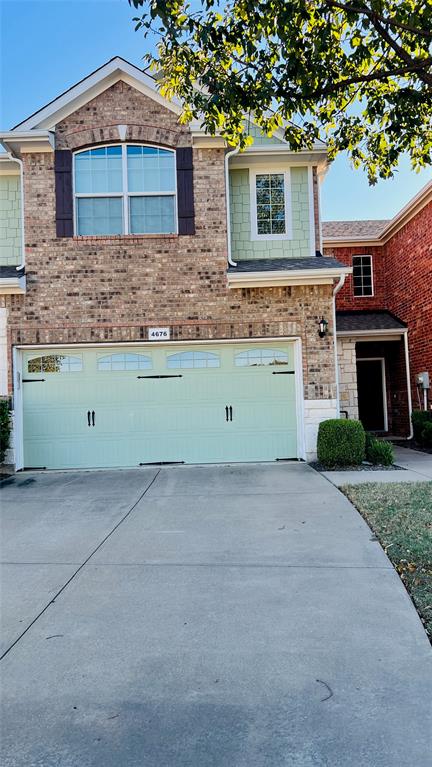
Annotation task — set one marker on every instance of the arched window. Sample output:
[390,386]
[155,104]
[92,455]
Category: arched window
[259,357]
[125,189]
[193,360]
[55,363]
[128,361]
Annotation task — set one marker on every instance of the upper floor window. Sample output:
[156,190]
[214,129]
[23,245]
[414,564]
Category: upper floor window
[270,205]
[362,276]
[125,189]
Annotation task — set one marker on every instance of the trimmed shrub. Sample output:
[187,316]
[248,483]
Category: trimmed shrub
[426,435]
[419,420]
[5,428]
[379,451]
[341,443]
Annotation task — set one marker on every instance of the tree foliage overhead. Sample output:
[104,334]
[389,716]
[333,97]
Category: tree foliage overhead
[354,73]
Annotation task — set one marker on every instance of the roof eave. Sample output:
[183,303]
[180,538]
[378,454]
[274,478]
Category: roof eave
[28,141]
[286,277]
[13,285]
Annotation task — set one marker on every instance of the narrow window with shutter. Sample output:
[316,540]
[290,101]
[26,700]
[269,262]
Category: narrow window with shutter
[185,191]
[63,192]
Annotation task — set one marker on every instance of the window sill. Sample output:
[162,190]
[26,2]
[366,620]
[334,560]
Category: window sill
[122,237]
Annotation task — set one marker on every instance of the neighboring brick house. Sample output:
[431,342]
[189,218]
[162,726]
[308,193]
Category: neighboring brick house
[384,314]
[135,325]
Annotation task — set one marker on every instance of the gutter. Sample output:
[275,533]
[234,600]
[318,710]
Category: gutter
[408,377]
[228,207]
[287,277]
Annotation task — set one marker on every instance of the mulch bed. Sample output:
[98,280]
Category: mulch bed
[362,467]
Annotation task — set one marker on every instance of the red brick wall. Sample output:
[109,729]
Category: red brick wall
[408,263]
[403,285]
[346,299]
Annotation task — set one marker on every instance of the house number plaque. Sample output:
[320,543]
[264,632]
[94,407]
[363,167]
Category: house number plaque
[158,334]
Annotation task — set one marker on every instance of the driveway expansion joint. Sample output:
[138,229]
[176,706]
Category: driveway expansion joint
[78,570]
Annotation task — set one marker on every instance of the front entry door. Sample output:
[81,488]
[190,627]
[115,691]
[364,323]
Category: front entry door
[371,394]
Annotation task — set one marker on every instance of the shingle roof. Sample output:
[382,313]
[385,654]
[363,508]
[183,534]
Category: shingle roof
[286,264]
[357,320]
[345,229]
[11,271]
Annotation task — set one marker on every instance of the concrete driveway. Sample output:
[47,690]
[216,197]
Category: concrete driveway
[230,616]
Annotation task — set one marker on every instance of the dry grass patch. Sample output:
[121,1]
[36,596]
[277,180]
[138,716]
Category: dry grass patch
[400,515]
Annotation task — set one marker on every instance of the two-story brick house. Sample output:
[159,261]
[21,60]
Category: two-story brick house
[384,314]
[163,298]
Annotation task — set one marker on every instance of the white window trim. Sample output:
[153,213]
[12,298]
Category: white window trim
[259,171]
[125,194]
[364,255]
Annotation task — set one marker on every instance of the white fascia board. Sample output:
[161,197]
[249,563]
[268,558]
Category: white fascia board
[414,206]
[352,242]
[91,86]
[27,141]
[12,285]
[285,277]
[366,335]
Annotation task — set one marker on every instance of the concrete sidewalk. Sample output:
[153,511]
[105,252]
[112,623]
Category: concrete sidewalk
[204,616]
[417,466]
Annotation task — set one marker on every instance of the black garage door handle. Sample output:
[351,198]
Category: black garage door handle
[93,417]
[88,417]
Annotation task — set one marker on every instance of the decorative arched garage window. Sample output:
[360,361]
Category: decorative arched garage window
[260,357]
[55,363]
[127,361]
[125,189]
[193,360]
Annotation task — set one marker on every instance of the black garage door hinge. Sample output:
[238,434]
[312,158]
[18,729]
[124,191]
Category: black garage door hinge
[33,380]
[179,375]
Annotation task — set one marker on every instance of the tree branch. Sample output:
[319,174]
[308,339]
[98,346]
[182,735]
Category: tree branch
[385,20]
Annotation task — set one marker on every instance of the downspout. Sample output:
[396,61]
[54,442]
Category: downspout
[336,290]
[228,207]
[408,376]
[20,163]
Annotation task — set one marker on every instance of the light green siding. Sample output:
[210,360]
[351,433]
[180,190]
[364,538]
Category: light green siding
[242,246]
[10,221]
[89,416]
[261,138]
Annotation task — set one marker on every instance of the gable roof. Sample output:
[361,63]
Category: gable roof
[91,86]
[374,232]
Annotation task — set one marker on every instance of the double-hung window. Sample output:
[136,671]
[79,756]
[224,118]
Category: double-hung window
[270,205]
[362,276]
[125,189]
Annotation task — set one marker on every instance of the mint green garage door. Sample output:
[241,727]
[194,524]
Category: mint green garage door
[131,406]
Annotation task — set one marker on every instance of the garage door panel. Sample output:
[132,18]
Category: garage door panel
[144,416]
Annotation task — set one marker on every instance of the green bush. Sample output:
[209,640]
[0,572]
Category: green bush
[378,451]
[426,435]
[419,420]
[5,428]
[341,443]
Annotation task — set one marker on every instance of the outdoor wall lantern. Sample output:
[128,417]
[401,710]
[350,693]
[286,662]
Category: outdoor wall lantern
[323,327]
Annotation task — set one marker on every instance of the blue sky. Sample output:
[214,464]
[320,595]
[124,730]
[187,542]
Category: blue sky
[46,46]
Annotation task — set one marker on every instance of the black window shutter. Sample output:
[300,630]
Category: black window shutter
[185,191]
[63,192]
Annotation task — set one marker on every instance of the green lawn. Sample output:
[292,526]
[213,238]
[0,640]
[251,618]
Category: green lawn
[400,515]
